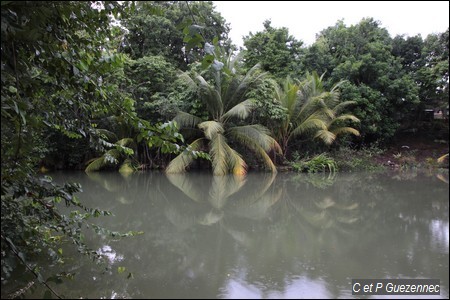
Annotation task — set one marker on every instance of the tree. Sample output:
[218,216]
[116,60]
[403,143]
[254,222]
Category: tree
[227,107]
[433,77]
[276,51]
[312,111]
[55,65]
[154,29]
[147,79]
[362,55]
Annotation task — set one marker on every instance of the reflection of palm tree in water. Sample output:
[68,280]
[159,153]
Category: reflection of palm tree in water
[224,200]
[216,196]
[276,225]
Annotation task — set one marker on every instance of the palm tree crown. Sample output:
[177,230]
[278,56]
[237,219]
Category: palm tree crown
[311,110]
[227,105]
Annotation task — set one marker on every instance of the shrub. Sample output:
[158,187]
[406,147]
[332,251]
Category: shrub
[319,163]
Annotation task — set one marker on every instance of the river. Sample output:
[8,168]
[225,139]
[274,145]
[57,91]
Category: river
[259,236]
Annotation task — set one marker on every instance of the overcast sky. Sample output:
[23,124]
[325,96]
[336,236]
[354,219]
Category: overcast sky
[307,18]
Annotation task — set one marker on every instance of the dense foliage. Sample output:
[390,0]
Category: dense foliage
[275,49]
[103,84]
[55,65]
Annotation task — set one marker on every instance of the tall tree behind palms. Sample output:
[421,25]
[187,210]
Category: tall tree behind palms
[312,111]
[228,107]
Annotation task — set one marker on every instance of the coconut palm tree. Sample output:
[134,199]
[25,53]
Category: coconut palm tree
[312,111]
[227,106]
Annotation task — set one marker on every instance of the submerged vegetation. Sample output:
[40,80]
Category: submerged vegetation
[130,86]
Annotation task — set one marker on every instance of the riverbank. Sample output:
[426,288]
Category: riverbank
[406,152]
[420,152]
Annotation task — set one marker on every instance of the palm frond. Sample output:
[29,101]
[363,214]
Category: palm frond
[240,110]
[290,99]
[341,106]
[442,158]
[331,99]
[326,136]
[184,76]
[345,130]
[110,157]
[308,106]
[95,164]
[224,158]
[338,85]
[346,117]
[185,119]
[255,134]
[327,113]
[252,77]
[211,97]
[211,128]
[185,158]
[218,149]
[230,86]
[256,138]
[310,125]
[267,160]
[237,164]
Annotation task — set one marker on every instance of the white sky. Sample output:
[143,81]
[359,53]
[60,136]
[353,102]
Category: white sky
[305,19]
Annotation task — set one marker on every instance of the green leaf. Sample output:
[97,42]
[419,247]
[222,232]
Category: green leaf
[83,66]
[12,89]
[120,270]
[207,61]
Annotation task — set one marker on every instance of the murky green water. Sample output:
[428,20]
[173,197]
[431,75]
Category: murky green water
[262,236]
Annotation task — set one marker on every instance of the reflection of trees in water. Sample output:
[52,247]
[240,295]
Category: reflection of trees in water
[278,222]
[201,230]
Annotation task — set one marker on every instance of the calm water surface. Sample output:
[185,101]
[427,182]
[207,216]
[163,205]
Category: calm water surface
[262,236]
